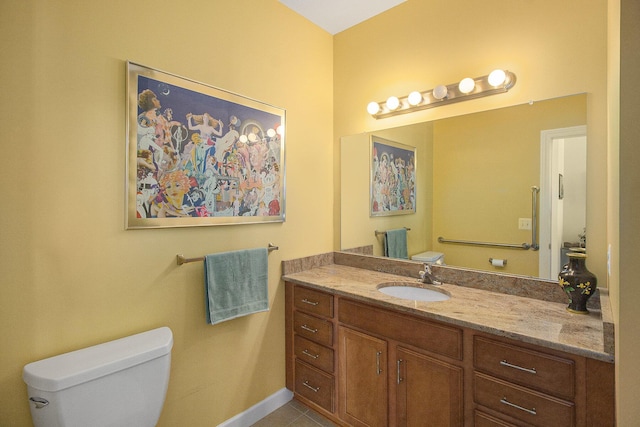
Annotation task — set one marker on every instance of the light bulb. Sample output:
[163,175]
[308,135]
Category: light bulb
[373,108]
[280,130]
[271,133]
[393,103]
[497,77]
[466,85]
[439,92]
[243,139]
[414,98]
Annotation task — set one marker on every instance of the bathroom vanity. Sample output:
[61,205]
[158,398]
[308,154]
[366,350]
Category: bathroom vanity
[482,357]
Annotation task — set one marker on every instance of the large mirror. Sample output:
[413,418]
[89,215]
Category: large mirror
[474,180]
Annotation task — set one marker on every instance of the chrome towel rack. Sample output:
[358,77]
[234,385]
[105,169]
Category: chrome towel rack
[180,259]
[381,233]
[524,246]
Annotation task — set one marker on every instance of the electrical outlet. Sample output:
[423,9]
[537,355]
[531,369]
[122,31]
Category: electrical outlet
[524,223]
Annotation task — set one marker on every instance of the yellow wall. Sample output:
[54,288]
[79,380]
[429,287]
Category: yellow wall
[627,290]
[484,166]
[554,48]
[70,275]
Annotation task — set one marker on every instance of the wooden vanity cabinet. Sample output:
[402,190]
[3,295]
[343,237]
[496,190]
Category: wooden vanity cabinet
[363,377]
[391,373]
[361,364]
[428,391]
[310,342]
[517,384]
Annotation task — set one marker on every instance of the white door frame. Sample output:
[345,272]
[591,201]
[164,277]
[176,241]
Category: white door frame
[549,255]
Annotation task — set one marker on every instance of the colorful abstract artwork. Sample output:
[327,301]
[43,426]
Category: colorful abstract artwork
[393,178]
[198,155]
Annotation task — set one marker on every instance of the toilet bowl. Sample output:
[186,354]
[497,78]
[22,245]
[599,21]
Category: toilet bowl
[118,383]
[429,257]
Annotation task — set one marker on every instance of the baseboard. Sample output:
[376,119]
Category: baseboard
[259,410]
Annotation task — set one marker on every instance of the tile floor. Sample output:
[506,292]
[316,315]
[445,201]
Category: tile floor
[294,414]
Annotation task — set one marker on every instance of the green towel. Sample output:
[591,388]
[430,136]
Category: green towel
[395,243]
[236,284]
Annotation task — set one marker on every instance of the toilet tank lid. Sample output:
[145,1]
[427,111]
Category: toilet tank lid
[69,369]
[428,256]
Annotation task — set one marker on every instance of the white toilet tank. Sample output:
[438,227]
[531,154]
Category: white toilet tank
[429,257]
[118,383]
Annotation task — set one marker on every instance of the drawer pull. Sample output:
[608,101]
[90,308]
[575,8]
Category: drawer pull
[306,301]
[306,353]
[378,368]
[307,328]
[399,378]
[315,389]
[504,401]
[509,365]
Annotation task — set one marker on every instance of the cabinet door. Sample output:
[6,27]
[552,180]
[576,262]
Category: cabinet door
[429,391]
[363,378]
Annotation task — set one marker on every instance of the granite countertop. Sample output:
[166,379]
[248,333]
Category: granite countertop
[525,319]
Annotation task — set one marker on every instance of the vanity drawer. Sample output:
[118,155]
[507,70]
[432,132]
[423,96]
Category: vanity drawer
[521,403]
[313,353]
[313,301]
[526,367]
[434,337]
[481,419]
[315,385]
[313,328]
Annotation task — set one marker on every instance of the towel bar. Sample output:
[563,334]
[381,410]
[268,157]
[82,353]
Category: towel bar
[379,233]
[180,259]
[524,246]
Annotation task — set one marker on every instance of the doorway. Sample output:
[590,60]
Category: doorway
[563,189]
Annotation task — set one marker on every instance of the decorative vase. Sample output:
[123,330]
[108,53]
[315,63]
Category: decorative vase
[578,282]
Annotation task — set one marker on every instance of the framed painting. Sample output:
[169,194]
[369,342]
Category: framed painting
[198,155]
[392,178]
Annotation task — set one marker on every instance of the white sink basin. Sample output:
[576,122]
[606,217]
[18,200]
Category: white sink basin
[414,292]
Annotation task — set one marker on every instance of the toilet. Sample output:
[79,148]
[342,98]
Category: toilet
[118,383]
[429,257]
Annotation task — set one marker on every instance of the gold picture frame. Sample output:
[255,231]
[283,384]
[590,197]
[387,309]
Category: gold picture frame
[200,156]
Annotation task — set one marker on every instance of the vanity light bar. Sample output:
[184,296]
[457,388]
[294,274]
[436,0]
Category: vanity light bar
[465,90]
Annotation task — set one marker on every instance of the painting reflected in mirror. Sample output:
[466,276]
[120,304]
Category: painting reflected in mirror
[474,179]
[392,187]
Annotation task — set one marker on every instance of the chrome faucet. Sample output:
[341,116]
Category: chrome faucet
[427,276]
